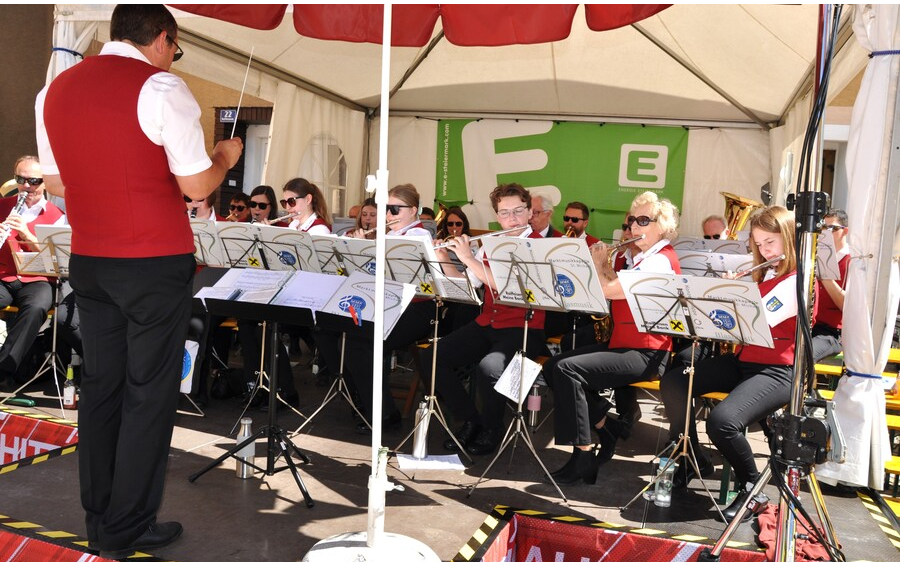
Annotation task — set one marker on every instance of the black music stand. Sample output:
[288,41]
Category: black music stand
[276,440]
[528,278]
[696,308]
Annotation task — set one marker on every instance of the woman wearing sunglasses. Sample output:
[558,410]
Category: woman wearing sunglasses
[203,208]
[630,356]
[758,379]
[306,203]
[413,325]
[263,204]
[239,208]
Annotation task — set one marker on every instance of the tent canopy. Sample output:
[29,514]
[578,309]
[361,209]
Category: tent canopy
[720,64]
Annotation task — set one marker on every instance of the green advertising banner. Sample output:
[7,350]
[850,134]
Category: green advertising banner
[602,165]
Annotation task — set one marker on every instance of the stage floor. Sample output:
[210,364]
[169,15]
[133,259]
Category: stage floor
[265,518]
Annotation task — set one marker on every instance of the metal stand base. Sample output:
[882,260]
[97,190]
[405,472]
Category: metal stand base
[434,409]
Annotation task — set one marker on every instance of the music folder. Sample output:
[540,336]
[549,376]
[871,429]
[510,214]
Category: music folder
[729,310]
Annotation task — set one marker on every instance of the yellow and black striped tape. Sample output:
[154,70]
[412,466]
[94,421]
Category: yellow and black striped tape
[887,522]
[45,456]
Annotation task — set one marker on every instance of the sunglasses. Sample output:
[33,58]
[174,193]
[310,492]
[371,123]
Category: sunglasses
[238,208]
[289,202]
[33,182]
[626,226]
[454,223]
[178,52]
[712,237]
[189,200]
[576,220]
[832,227]
[262,206]
[395,209]
[642,220]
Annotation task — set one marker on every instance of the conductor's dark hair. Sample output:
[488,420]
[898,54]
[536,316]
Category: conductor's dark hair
[141,23]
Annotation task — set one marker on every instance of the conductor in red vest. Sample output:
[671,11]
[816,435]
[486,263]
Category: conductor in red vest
[120,127]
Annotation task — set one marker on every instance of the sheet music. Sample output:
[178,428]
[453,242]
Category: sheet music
[652,298]
[246,285]
[411,259]
[358,292]
[704,245]
[308,290]
[712,264]
[343,256]
[288,249]
[239,243]
[510,382]
[59,237]
[827,257]
[208,247]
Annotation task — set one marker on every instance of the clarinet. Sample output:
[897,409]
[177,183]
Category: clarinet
[17,209]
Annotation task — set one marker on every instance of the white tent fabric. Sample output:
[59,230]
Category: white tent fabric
[873,285]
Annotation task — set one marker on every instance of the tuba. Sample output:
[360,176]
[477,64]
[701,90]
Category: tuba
[737,211]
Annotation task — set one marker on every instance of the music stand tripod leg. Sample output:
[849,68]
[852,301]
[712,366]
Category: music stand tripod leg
[432,405]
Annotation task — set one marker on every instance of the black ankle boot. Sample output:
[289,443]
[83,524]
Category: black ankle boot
[566,468]
[584,468]
[731,511]
[608,437]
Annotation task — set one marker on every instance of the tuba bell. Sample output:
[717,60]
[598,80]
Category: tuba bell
[737,211]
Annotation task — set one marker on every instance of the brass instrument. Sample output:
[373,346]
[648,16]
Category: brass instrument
[480,236]
[5,230]
[737,211]
[763,265]
[570,232]
[441,213]
[611,252]
[603,325]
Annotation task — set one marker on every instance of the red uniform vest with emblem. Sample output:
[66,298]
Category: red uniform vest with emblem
[498,316]
[783,335]
[8,272]
[827,312]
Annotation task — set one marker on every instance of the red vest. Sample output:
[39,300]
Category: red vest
[121,198]
[8,272]
[499,316]
[827,312]
[590,240]
[783,335]
[317,222]
[625,334]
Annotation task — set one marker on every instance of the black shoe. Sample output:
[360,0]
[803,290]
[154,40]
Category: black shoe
[156,536]
[585,465]
[485,442]
[388,423]
[685,472]
[608,438]
[464,434]
[730,512]
[566,468]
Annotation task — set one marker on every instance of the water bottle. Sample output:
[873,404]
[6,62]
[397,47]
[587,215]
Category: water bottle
[420,439]
[69,400]
[246,453]
[533,404]
[662,496]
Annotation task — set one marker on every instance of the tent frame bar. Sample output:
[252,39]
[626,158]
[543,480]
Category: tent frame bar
[600,119]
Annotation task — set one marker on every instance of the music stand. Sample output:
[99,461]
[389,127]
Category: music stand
[521,284]
[44,263]
[411,259]
[242,244]
[695,308]
[277,443]
[288,249]
[711,264]
[208,247]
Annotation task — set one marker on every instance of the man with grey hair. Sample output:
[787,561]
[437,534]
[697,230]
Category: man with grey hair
[542,212]
[715,228]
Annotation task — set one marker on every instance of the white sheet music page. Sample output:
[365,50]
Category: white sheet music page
[827,257]
[310,290]
[357,293]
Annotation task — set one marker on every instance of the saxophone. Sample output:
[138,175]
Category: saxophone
[5,230]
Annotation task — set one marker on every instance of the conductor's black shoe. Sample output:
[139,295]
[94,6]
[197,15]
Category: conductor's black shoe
[157,535]
[731,511]
[388,423]
[485,442]
[685,472]
[464,434]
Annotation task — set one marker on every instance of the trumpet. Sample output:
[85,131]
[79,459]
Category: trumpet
[480,236]
[763,265]
[611,252]
[570,233]
[5,230]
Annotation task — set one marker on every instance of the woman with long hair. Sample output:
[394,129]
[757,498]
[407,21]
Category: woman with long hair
[758,379]
[305,201]
[263,204]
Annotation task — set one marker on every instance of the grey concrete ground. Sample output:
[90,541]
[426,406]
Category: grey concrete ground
[265,519]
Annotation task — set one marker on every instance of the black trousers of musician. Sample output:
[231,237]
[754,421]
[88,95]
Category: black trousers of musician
[68,323]
[755,391]
[491,350]
[578,377]
[826,342]
[414,324]
[33,300]
[134,319]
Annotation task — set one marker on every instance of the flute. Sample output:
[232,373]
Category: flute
[282,218]
[374,228]
[763,265]
[480,236]
[624,243]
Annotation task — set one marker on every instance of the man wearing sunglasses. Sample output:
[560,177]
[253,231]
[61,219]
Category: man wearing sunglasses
[715,228]
[576,218]
[123,115]
[826,331]
[31,294]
